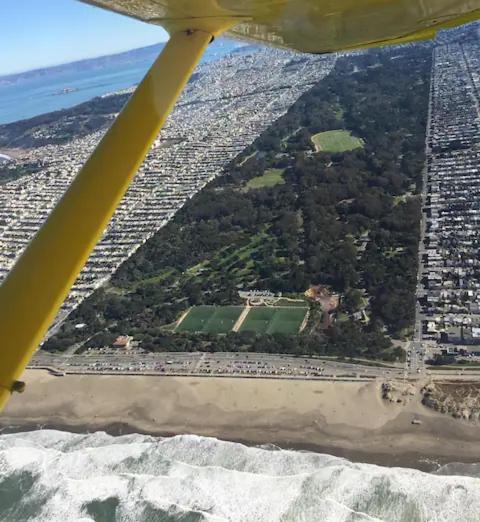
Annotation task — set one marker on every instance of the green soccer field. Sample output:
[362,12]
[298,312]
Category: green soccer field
[258,319]
[287,320]
[274,319]
[262,319]
[210,319]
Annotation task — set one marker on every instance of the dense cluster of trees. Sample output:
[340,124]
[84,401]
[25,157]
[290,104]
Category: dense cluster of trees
[442,360]
[345,340]
[348,220]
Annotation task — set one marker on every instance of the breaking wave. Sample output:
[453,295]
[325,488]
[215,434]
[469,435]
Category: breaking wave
[49,475]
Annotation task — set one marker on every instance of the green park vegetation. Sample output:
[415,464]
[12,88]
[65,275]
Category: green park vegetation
[339,112]
[270,178]
[456,368]
[336,141]
[363,362]
[450,362]
[397,200]
[337,221]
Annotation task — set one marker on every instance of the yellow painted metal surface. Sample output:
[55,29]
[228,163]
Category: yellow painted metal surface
[307,25]
[41,279]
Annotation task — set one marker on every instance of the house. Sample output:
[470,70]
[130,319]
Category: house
[122,341]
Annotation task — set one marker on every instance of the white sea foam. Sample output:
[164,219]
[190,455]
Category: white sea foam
[56,476]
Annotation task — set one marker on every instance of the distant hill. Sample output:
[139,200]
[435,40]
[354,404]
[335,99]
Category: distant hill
[88,64]
[219,48]
[84,118]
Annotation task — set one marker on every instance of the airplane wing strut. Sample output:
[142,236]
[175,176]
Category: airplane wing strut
[36,287]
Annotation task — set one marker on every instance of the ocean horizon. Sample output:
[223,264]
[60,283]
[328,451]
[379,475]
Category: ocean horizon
[49,475]
[58,88]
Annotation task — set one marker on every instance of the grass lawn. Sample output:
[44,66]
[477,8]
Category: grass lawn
[274,319]
[223,319]
[270,178]
[258,319]
[287,320]
[196,319]
[210,319]
[335,141]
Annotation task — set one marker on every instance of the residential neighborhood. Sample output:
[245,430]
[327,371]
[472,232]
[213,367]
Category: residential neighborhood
[221,112]
[449,279]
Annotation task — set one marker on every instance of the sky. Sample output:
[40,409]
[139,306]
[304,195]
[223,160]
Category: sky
[39,33]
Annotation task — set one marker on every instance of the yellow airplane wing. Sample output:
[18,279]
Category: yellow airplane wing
[35,288]
[315,26]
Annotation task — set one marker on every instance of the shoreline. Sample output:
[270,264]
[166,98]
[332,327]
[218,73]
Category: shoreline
[426,463]
[345,419]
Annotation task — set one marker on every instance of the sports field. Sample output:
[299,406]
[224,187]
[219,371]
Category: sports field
[261,319]
[274,319]
[210,319]
[336,141]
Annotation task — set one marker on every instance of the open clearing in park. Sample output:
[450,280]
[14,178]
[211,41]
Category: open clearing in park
[260,319]
[270,178]
[336,141]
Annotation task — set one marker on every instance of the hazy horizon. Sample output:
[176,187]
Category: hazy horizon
[55,65]
[54,32]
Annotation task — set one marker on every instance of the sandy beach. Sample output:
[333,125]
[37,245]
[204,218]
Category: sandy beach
[342,418]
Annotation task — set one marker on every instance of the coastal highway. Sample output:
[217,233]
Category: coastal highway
[236,365]
[225,363]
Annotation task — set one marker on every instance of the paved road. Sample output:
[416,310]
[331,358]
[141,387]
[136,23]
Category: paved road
[212,364]
[415,363]
[240,365]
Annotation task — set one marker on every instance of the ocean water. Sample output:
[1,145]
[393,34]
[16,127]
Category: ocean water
[39,95]
[30,97]
[49,475]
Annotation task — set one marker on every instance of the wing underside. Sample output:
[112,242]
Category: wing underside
[307,25]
